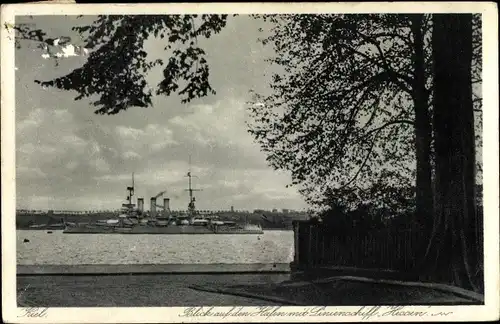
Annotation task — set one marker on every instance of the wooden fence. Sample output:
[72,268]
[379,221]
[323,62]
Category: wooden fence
[315,246]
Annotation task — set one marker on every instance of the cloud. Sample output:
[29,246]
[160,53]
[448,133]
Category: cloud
[76,142]
[47,140]
[66,50]
[31,173]
[34,119]
[218,127]
[168,172]
[45,202]
[135,141]
[114,178]
[60,154]
[128,132]
[100,164]
[129,155]
[218,123]
[72,165]
[263,182]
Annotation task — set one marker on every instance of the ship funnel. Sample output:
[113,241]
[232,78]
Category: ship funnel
[166,204]
[140,204]
[153,207]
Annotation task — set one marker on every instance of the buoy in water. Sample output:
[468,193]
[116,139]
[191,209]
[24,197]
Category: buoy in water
[26,240]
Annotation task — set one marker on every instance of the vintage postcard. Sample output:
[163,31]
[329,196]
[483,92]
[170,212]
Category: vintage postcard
[250,162]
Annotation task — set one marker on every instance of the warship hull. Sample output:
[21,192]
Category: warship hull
[172,230]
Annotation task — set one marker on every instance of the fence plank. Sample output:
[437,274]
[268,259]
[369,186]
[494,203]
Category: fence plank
[384,249]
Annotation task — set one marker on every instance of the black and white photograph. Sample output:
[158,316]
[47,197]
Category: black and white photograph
[271,164]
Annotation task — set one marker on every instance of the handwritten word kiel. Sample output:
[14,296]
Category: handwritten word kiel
[31,311]
[34,312]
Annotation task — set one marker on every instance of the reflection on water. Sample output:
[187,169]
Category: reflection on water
[59,248]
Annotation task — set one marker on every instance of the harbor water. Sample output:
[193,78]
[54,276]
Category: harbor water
[65,249]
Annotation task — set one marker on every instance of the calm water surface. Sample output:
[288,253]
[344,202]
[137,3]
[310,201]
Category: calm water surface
[59,248]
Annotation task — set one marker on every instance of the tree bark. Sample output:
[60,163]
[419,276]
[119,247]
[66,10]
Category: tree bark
[423,132]
[451,254]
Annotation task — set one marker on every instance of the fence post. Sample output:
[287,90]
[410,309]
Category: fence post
[323,246]
[316,245]
[309,249]
[296,259]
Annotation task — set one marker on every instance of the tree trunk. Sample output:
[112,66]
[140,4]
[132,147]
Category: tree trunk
[450,255]
[423,132]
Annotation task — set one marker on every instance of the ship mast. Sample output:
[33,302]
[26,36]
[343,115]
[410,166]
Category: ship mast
[131,190]
[192,199]
[130,194]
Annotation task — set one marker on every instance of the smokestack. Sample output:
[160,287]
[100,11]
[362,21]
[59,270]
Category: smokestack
[140,204]
[166,204]
[153,207]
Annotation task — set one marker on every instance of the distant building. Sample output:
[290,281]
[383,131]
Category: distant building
[232,209]
[285,211]
[275,210]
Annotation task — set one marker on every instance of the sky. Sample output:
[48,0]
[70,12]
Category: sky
[68,158]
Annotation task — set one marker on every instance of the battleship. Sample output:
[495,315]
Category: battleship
[133,219]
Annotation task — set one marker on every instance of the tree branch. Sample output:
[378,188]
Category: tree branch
[477,100]
[476,46]
[395,75]
[393,35]
[362,165]
[346,131]
[400,121]
[353,115]
[390,72]
[366,83]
